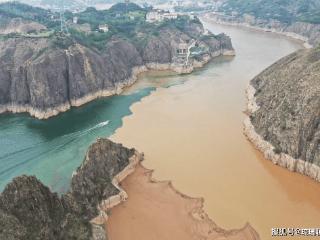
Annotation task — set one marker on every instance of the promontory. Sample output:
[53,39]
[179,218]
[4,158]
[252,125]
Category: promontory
[284,112]
[49,62]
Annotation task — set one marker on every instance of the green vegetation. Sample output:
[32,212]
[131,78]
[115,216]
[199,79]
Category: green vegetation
[123,7]
[126,21]
[181,23]
[19,10]
[191,9]
[286,11]
[62,41]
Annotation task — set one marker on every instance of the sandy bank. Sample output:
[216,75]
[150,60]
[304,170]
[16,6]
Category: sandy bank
[156,210]
[282,159]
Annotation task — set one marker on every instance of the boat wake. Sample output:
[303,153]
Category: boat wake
[40,150]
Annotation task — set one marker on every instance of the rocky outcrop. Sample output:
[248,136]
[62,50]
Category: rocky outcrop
[29,210]
[307,32]
[45,76]
[284,112]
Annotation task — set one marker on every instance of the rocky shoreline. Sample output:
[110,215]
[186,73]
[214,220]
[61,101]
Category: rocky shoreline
[222,19]
[29,210]
[200,224]
[282,159]
[82,212]
[51,112]
[269,151]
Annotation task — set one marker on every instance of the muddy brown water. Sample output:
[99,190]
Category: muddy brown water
[191,133]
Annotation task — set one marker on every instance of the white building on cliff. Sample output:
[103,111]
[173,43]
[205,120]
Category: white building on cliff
[160,15]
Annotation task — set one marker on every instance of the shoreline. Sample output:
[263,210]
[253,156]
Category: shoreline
[122,196]
[267,149]
[138,130]
[208,229]
[119,88]
[196,211]
[291,35]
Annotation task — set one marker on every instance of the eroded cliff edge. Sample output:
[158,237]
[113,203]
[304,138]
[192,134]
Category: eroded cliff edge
[306,32]
[284,112]
[29,210]
[48,75]
[297,19]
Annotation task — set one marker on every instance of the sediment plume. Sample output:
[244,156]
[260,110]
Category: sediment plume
[158,210]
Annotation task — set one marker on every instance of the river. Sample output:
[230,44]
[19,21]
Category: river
[190,129]
[192,134]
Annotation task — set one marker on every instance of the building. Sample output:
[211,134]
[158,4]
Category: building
[160,15]
[104,28]
[182,49]
[169,16]
[153,16]
[75,20]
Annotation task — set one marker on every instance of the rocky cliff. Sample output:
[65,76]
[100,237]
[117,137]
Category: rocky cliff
[307,32]
[298,19]
[29,210]
[48,75]
[284,107]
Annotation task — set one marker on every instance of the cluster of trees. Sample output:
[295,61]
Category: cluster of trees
[286,11]
[24,11]
[127,21]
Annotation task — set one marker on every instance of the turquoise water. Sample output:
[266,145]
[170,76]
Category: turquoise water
[54,148]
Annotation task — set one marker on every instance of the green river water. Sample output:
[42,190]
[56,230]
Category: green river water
[54,148]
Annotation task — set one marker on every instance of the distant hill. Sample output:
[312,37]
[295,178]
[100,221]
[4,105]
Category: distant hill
[286,11]
[123,7]
[72,5]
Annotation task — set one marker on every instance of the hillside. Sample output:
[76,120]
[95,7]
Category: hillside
[47,71]
[282,10]
[299,19]
[29,210]
[288,112]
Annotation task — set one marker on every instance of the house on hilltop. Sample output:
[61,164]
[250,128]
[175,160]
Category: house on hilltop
[103,28]
[159,15]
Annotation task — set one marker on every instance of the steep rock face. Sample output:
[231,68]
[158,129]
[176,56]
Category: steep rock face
[288,100]
[41,78]
[92,182]
[308,30]
[301,30]
[44,78]
[157,50]
[29,210]
[221,42]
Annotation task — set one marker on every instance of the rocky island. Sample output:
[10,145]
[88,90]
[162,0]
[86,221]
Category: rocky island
[47,67]
[284,112]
